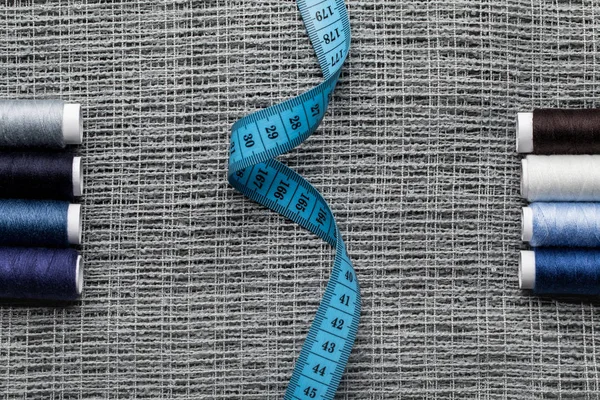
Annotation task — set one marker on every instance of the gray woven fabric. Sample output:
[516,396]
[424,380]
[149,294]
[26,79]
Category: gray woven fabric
[193,292]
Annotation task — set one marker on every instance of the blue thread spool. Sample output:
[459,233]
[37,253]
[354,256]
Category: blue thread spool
[562,224]
[25,175]
[37,273]
[549,271]
[40,123]
[39,223]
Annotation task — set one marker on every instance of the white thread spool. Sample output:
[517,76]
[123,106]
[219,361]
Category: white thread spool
[561,178]
[525,132]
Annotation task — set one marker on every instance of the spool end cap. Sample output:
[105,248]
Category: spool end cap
[79,276]
[77,177]
[527,224]
[74,224]
[524,179]
[527,270]
[525,132]
[72,124]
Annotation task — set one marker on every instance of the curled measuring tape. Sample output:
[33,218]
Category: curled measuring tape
[255,141]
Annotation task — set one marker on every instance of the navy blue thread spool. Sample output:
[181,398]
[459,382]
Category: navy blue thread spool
[38,273]
[554,271]
[40,123]
[26,175]
[33,223]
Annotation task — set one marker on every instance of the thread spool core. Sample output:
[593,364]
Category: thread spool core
[527,270]
[74,224]
[527,224]
[72,126]
[77,177]
[79,276]
[524,132]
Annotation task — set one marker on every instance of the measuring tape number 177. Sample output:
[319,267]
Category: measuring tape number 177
[255,142]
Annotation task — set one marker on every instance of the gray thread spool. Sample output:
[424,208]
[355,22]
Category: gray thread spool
[40,123]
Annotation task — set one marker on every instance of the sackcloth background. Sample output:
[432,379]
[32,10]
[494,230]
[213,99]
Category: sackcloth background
[193,292]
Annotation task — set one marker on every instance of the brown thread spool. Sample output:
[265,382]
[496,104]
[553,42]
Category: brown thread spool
[556,131]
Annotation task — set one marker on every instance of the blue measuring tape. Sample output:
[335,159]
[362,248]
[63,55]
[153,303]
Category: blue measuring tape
[255,141]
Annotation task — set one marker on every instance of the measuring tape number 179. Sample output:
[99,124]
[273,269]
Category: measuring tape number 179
[255,142]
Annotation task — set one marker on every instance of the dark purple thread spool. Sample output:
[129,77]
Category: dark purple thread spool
[31,175]
[38,273]
[558,131]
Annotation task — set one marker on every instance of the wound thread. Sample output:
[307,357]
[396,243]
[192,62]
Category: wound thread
[562,271]
[561,178]
[560,131]
[39,123]
[37,176]
[34,223]
[563,225]
[44,274]
[566,233]
[32,272]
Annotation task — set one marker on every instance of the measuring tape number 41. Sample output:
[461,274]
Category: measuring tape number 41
[256,140]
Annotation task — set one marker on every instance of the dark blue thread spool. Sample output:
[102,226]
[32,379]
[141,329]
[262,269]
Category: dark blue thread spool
[555,271]
[38,273]
[27,175]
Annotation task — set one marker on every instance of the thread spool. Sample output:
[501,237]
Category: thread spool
[562,224]
[39,223]
[37,273]
[40,123]
[556,131]
[560,271]
[54,176]
[561,178]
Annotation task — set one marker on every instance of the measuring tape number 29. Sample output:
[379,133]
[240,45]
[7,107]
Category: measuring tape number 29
[255,142]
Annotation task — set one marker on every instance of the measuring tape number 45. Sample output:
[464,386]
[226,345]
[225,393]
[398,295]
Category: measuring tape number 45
[256,140]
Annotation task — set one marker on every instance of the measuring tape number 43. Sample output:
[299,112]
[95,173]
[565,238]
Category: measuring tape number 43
[256,140]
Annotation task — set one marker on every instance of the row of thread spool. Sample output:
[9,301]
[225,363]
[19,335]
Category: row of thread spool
[561,179]
[39,182]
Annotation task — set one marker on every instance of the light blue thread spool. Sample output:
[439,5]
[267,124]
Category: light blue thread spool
[562,224]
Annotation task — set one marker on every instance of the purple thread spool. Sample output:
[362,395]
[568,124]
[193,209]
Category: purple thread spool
[39,273]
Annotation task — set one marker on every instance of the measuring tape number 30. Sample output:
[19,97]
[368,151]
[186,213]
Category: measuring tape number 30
[255,142]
